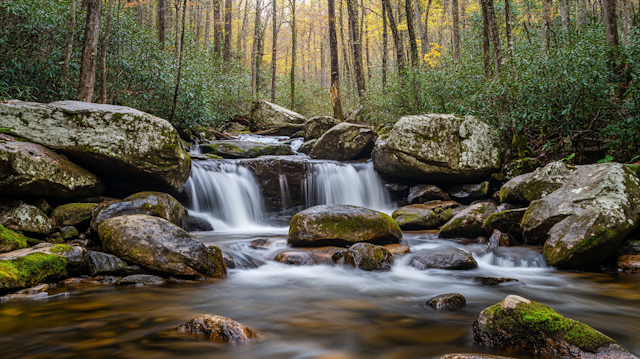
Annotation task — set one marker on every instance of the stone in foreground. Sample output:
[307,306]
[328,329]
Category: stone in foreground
[245,149]
[468,223]
[439,148]
[520,324]
[215,327]
[493,280]
[467,193]
[506,222]
[19,216]
[443,257]
[424,216]
[535,185]
[269,116]
[629,263]
[345,142]
[74,214]
[369,257]
[123,146]
[341,225]
[447,301]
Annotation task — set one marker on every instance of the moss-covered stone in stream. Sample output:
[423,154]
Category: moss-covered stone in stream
[369,257]
[10,240]
[245,149]
[31,270]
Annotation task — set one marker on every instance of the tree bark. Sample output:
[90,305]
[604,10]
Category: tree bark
[424,46]
[564,16]
[293,53]
[162,30]
[345,56]
[177,90]
[89,50]
[227,29]
[546,24]
[413,45]
[396,37]
[385,49]
[198,10]
[627,20]
[207,28]
[274,51]
[217,27]
[69,48]
[426,27]
[610,22]
[103,54]
[176,4]
[242,36]
[456,29]
[336,102]
[486,42]
[508,25]
[356,46]
[254,49]
[495,35]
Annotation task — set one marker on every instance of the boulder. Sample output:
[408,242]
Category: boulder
[520,324]
[327,254]
[245,149]
[197,224]
[140,280]
[447,301]
[467,193]
[506,222]
[19,216]
[629,263]
[538,184]
[42,205]
[28,169]
[126,148]
[425,192]
[397,249]
[69,232]
[158,245]
[297,258]
[11,241]
[519,167]
[493,280]
[269,116]
[369,257]
[239,260]
[498,239]
[106,264]
[345,142]
[315,127]
[468,223]
[424,216]
[341,225]
[307,147]
[631,245]
[587,219]
[155,204]
[443,257]
[215,327]
[74,214]
[438,148]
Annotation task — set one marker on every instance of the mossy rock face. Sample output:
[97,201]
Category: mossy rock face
[74,214]
[587,219]
[519,167]
[468,223]
[315,127]
[269,116]
[155,204]
[33,170]
[439,148]
[424,192]
[245,149]
[156,244]
[506,222]
[19,216]
[341,225]
[423,216]
[443,257]
[10,240]
[538,184]
[520,324]
[369,257]
[345,142]
[123,146]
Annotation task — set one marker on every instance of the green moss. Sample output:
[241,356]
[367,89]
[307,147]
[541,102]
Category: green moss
[61,249]
[5,130]
[31,270]
[73,213]
[11,239]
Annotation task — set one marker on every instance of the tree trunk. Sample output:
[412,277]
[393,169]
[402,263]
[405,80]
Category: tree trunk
[564,16]
[177,91]
[217,27]
[69,48]
[162,30]
[103,54]
[274,49]
[366,45]
[627,20]
[254,49]
[198,10]
[495,35]
[242,35]
[227,29]
[335,69]
[546,23]
[293,54]
[345,56]
[356,46]
[456,29]
[508,25]
[396,37]
[385,49]
[89,50]
[486,42]
[424,46]
[260,53]
[413,45]
[176,4]
[207,28]
[610,22]
[426,27]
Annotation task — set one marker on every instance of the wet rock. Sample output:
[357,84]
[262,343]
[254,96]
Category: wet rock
[369,257]
[631,245]
[297,258]
[19,216]
[493,280]
[535,185]
[34,290]
[397,249]
[326,255]
[467,193]
[424,216]
[155,204]
[42,205]
[69,232]
[307,147]
[506,222]
[425,192]
[74,214]
[141,279]
[197,224]
[443,258]
[629,263]
[472,356]
[438,148]
[519,167]
[447,301]
[245,149]
[238,260]
[11,241]
[268,243]
[126,148]
[315,127]
[217,328]
[156,244]
[107,264]
[498,239]
[520,324]
[341,225]
[468,223]
[345,142]
[268,116]
[29,169]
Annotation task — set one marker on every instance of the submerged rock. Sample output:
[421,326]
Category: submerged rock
[629,263]
[443,258]
[315,127]
[155,243]
[197,224]
[424,192]
[520,324]
[218,328]
[19,216]
[424,216]
[468,223]
[472,356]
[238,260]
[11,241]
[245,149]
[397,249]
[307,147]
[340,225]
[141,279]
[297,258]
[501,239]
[269,116]
[535,185]
[447,301]
[438,148]
[127,148]
[493,280]
[345,142]
[369,257]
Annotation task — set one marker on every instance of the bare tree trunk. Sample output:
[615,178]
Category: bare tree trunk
[162,30]
[366,45]
[69,48]
[486,42]
[564,16]
[508,25]
[495,35]
[207,28]
[426,27]
[610,22]
[242,35]
[396,37]
[274,51]
[89,50]
[198,24]
[356,46]
[336,102]
[345,56]
[424,46]
[385,49]
[227,29]
[259,56]
[463,11]
[413,45]
[217,27]
[254,49]
[293,53]
[456,29]
[546,23]
[103,54]
[177,91]
[627,20]
[176,4]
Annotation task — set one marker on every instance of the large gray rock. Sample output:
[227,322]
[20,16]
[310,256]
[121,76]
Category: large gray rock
[19,216]
[33,170]
[315,127]
[345,142]
[443,257]
[469,222]
[538,184]
[269,116]
[437,148]
[127,148]
[245,149]
[587,219]
[156,244]
[106,264]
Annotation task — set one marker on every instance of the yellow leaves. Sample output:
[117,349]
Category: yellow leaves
[432,58]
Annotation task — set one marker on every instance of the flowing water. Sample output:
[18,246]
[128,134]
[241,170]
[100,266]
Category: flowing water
[324,311]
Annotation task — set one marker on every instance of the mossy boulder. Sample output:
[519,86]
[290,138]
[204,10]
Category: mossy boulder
[468,223]
[11,241]
[520,324]
[345,142]
[506,222]
[281,121]
[443,257]
[126,148]
[467,193]
[28,169]
[155,204]
[245,149]
[439,148]
[369,257]
[74,214]
[447,301]
[341,225]
[160,246]
[19,216]
[217,328]
[587,219]
[315,127]
[423,216]
[537,184]
[519,167]
[425,192]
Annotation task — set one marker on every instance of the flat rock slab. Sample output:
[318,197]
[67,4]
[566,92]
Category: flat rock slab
[245,149]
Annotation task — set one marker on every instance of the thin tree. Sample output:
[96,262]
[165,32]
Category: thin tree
[162,29]
[456,29]
[385,49]
[89,50]
[396,37]
[627,20]
[486,42]
[69,48]
[227,29]
[103,54]
[274,49]
[177,91]
[176,5]
[356,46]
[207,28]
[345,57]
[198,10]
[336,102]
[495,35]
[610,22]
[255,49]
[426,26]
[546,24]
[242,35]
[423,41]
[413,45]
[217,27]
[564,16]
[292,78]
[508,24]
